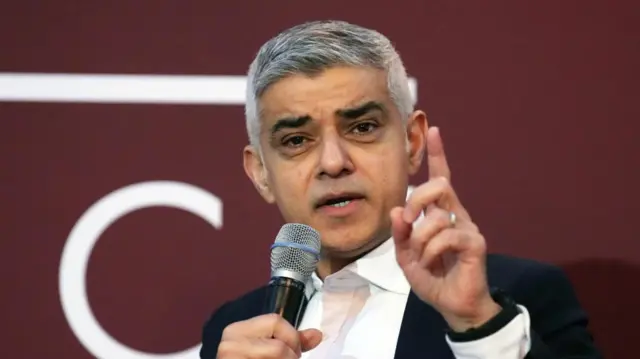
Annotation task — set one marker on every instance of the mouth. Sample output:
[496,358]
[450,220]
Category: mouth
[339,200]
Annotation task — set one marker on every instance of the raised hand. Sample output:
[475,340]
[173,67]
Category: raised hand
[444,256]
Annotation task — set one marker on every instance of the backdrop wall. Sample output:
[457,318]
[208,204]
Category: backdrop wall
[537,102]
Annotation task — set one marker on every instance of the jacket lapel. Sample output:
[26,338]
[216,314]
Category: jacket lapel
[422,333]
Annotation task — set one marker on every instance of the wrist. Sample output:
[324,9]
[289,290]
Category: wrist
[486,310]
[507,313]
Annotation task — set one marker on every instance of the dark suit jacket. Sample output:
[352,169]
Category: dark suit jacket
[559,324]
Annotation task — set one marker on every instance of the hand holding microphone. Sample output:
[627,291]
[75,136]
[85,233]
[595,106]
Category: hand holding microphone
[267,336]
[294,257]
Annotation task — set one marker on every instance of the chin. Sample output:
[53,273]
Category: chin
[349,244]
[352,234]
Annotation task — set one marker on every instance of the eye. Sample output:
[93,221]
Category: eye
[293,141]
[364,128]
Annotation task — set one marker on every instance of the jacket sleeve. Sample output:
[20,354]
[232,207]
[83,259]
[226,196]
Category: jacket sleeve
[212,332]
[559,325]
[545,322]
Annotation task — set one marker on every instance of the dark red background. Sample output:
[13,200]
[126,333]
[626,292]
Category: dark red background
[537,101]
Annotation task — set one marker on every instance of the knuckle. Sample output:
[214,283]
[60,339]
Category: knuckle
[272,318]
[420,191]
[450,237]
[417,239]
[279,349]
[229,330]
[441,218]
[431,250]
[480,243]
[280,324]
[445,185]
[225,348]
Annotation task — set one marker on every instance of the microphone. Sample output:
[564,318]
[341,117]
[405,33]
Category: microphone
[294,257]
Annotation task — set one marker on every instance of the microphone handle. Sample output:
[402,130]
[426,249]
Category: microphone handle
[286,297]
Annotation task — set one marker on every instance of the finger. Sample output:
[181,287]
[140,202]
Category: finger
[435,221]
[310,338]
[229,349]
[264,326]
[451,240]
[445,241]
[436,158]
[400,229]
[401,232]
[255,348]
[436,191]
[270,348]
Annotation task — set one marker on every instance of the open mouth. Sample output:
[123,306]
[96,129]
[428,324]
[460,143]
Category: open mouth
[339,201]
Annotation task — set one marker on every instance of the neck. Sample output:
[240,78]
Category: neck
[328,266]
[330,263]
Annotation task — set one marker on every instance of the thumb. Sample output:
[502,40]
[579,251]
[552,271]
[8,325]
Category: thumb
[400,229]
[310,338]
[401,232]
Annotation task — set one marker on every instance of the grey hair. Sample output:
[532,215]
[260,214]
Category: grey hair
[315,46]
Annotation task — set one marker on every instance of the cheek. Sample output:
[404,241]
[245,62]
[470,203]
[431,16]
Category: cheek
[391,173]
[289,185]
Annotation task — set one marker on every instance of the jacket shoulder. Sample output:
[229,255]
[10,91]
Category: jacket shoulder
[507,271]
[529,281]
[559,324]
[506,268]
[246,306]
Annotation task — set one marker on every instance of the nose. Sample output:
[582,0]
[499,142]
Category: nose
[334,157]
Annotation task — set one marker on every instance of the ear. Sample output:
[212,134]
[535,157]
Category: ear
[256,171]
[416,140]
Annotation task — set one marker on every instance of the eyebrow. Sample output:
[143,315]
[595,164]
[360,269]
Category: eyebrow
[348,113]
[290,122]
[355,112]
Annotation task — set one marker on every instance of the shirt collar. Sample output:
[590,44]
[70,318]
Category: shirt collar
[378,267]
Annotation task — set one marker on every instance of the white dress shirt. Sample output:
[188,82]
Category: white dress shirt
[360,308]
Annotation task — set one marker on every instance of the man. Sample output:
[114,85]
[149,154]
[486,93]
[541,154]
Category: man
[333,141]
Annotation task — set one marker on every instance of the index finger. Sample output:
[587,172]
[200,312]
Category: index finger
[438,192]
[435,192]
[264,326]
[436,159]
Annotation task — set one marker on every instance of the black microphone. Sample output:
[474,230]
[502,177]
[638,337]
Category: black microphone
[294,257]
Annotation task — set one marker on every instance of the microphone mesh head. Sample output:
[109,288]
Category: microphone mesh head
[296,249]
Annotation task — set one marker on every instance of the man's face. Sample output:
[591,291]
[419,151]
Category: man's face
[337,155]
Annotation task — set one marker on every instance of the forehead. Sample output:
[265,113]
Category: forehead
[323,94]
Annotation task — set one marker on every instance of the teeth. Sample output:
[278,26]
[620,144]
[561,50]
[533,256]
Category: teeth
[341,204]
